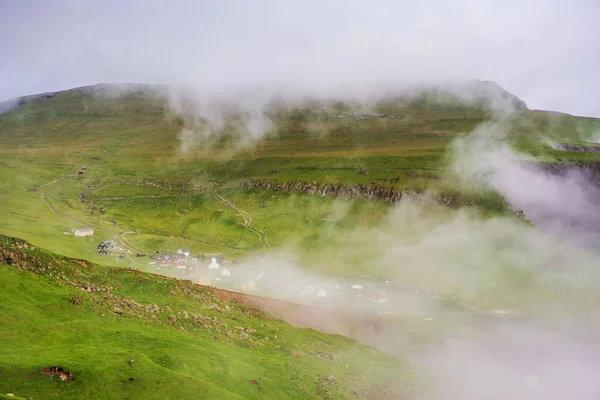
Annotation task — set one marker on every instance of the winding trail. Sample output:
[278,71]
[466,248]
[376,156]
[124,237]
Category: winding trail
[116,235]
[45,197]
[54,181]
[262,237]
[67,157]
[6,196]
[141,196]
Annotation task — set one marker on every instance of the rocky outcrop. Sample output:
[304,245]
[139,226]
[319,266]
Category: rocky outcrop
[586,172]
[577,148]
[565,204]
[13,255]
[371,192]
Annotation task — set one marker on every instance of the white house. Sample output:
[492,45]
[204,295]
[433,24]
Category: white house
[84,232]
[213,264]
[185,252]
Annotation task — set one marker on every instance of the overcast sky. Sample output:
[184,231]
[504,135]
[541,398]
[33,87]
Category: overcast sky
[547,52]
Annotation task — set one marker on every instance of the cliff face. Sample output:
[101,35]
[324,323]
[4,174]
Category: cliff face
[564,200]
[369,192]
[568,208]
[587,173]
[364,192]
[577,148]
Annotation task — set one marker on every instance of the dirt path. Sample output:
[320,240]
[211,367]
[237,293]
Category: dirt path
[67,157]
[141,196]
[262,237]
[51,207]
[54,181]
[120,236]
[10,194]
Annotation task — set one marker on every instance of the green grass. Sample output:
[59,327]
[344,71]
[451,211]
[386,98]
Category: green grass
[141,191]
[130,146]
[46,321]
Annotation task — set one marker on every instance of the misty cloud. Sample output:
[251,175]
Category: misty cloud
[248,113]
[562,200]
[490,307]
[517,362]
[485,308]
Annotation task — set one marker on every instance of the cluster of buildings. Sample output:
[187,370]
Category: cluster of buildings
[186,264]
[207,269]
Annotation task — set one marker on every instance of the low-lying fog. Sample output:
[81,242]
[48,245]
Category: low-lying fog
[492,308]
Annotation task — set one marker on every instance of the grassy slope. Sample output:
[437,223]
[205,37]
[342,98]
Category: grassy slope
[131,150]
[213,353]
[125,140]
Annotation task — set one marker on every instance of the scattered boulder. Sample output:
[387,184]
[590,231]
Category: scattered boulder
[60,371]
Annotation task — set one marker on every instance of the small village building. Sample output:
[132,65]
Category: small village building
[213,264]
[194,263]
[165,260]
[225,272]
[183,251]
[84,232]
[181,261]
[105,247]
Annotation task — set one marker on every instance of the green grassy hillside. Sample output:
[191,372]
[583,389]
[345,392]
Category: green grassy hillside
[318,188]
[142,191]
[185,341]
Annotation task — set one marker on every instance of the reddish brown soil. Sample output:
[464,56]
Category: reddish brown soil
[361,327]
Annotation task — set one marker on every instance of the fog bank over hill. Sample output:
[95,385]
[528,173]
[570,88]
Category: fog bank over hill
[558,197]
[208,111]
